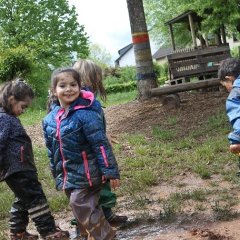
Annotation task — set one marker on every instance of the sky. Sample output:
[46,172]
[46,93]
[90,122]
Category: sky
[106,23]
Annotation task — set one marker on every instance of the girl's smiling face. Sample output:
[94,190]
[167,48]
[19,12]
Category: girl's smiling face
[67,89]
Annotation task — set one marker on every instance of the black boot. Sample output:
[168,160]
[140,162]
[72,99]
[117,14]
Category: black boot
[112,218]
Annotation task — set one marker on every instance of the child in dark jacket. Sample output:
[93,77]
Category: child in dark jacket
[229,75]
[81,157]
[92,79]
[18,170]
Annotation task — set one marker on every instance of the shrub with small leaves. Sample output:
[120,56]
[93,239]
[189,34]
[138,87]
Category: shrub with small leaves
[15,62]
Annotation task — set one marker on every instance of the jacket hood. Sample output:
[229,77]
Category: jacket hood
[84,101]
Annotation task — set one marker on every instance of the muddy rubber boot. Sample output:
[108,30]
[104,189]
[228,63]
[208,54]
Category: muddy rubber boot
[116,220]
[23,236]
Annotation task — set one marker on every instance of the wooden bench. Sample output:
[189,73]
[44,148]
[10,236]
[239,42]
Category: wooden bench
[200,63]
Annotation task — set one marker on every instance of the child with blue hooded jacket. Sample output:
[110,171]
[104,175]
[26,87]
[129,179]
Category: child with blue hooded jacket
[81,157]
[229,75]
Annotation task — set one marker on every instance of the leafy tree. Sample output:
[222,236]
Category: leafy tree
[215,14]
[159,12]
[100,55]
[47,27]
[218,12]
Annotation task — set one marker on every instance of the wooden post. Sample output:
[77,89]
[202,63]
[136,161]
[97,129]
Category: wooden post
[172,37]
[223,33]
[192,30]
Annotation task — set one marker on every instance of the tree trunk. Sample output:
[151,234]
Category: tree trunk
[146,78]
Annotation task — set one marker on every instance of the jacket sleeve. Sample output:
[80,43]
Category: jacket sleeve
[48,144]
[233,113]
[94,131]
[5,128]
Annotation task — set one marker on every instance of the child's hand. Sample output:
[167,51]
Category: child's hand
[114,183]
[235,148]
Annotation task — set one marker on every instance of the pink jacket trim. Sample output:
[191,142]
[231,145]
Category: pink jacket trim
[104,156]
[85,161]
[58,136]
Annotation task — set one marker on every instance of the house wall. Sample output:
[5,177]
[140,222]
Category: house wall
[127,59]
[233,44]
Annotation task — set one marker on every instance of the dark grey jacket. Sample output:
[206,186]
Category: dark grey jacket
[16,154]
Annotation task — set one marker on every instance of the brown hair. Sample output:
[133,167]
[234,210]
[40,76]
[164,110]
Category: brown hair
[17,88]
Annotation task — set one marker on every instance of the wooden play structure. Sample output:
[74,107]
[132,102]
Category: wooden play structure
[194,67]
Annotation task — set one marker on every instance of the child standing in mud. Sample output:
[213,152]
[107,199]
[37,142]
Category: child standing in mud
[81,157]
[229,75]
[18,170]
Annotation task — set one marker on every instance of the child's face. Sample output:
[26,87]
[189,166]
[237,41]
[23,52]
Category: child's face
[67,89]
[19,107]
[228,83]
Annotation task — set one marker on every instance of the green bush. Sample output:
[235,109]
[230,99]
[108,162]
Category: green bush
[121,87]
[120,75]
[161,71]
[15,62]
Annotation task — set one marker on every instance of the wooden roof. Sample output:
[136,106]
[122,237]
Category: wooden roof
[184,18]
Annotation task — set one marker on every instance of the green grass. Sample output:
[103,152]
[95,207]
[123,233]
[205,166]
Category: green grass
[32,116]
[57,200]
[119,98]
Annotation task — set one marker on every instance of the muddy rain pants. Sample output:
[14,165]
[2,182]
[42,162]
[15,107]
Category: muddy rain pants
[30,201]
[88,213]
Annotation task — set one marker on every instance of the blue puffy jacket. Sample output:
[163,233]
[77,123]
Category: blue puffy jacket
[233,112]
[79,151]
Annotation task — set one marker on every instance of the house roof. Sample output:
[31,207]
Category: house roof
[123,51]
[162,52]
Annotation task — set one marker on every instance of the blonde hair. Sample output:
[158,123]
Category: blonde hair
[91,76]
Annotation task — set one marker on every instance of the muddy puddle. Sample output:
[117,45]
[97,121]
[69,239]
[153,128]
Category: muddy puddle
[139,232]
[146,231]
